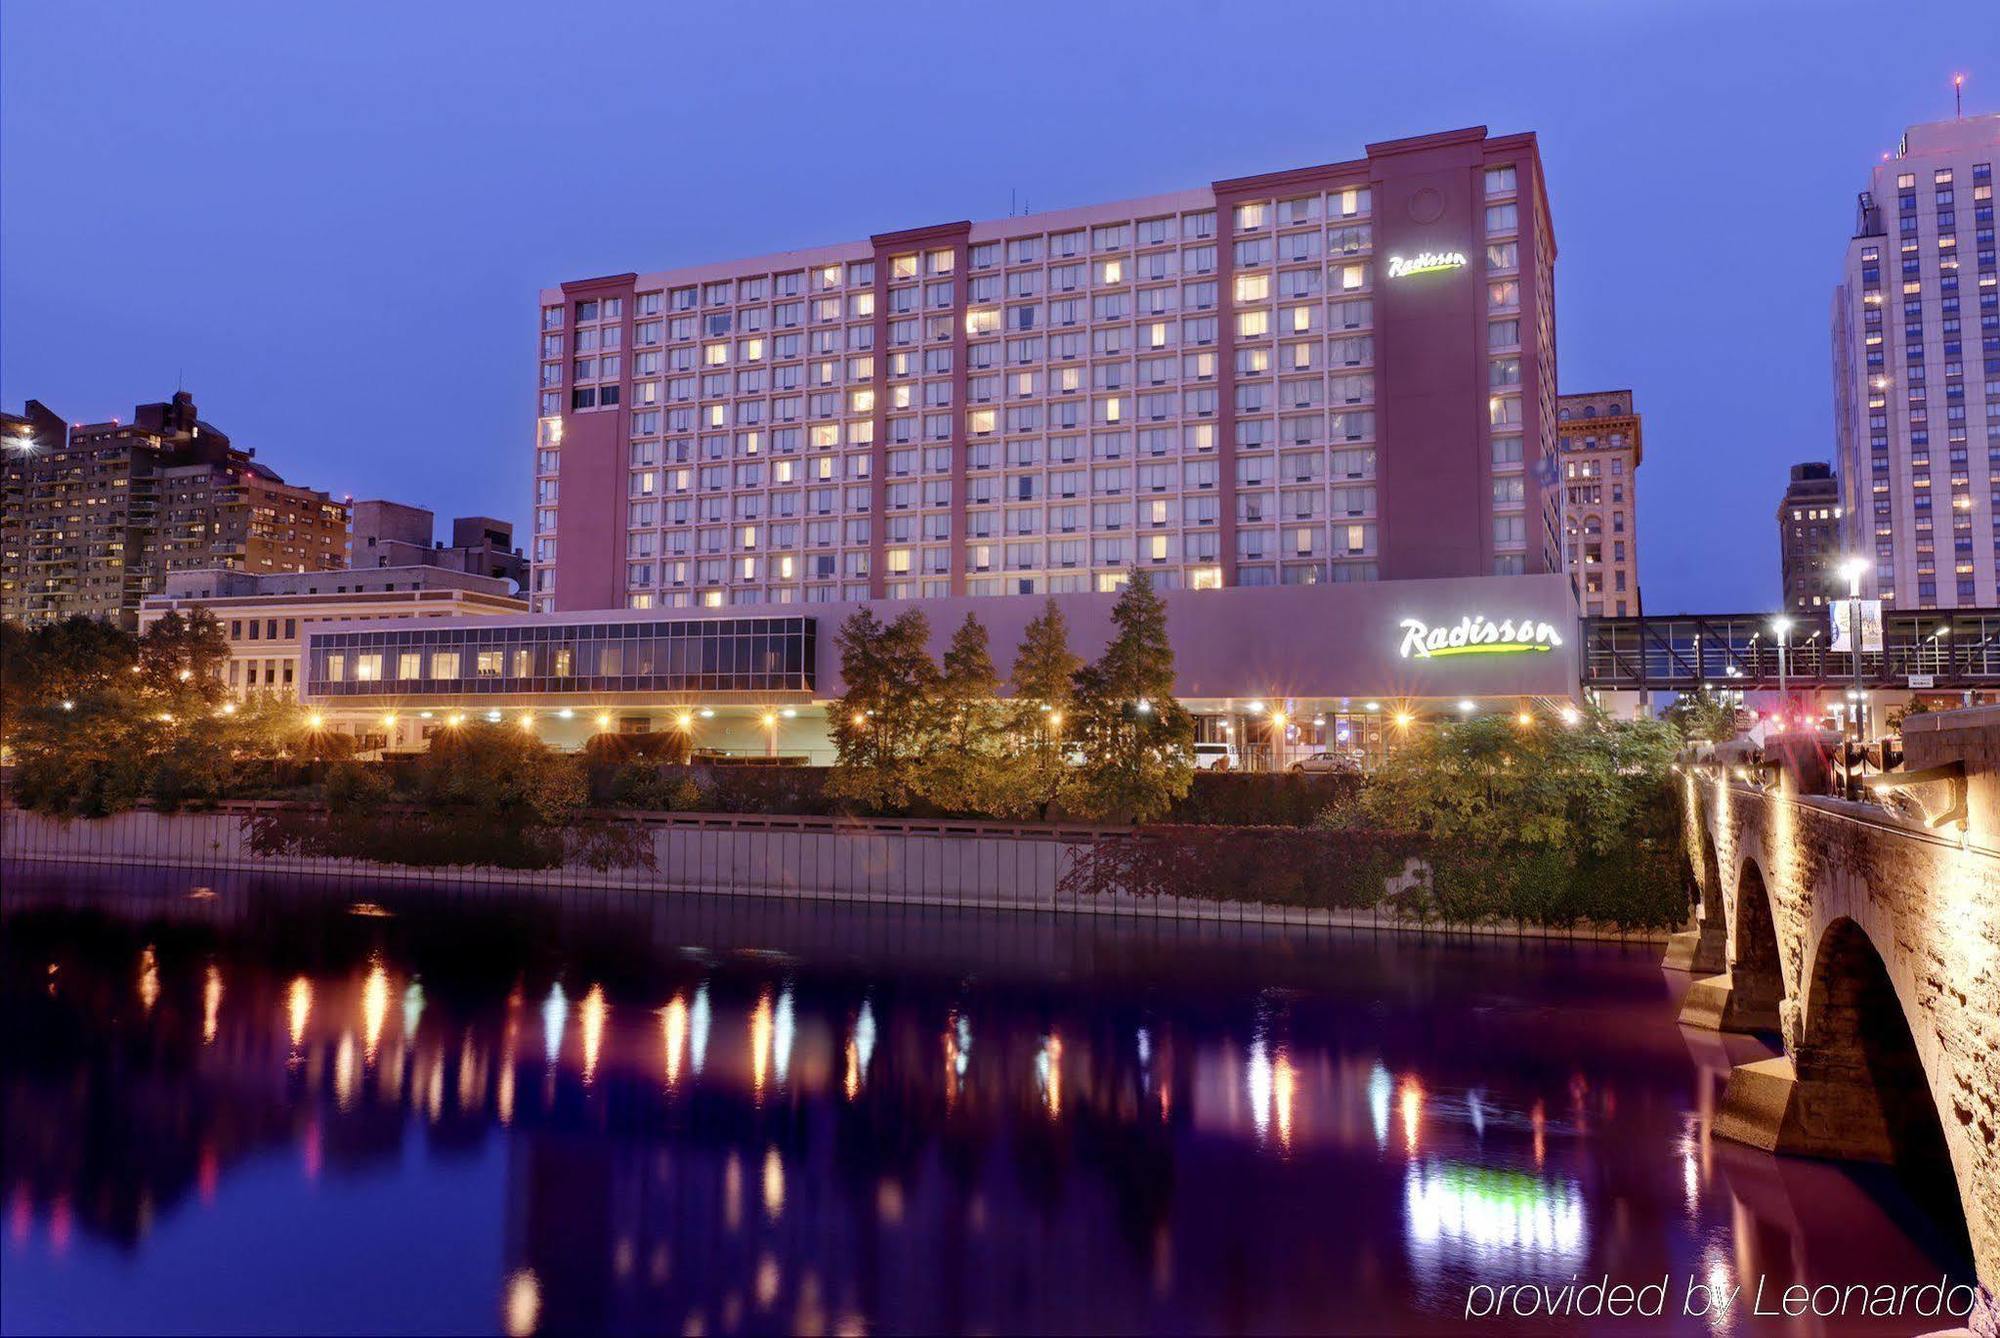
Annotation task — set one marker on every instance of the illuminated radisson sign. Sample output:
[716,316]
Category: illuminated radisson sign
[1429,262]
[1478,636]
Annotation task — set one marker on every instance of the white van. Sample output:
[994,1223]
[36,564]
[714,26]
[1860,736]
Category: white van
[1216,757]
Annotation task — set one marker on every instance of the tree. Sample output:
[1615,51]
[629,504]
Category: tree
[1528,820]
[1137,740]
[885,726]
[1698,715]
[965,772]
[1042,716]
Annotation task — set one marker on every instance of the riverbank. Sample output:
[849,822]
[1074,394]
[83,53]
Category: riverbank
[1020,868]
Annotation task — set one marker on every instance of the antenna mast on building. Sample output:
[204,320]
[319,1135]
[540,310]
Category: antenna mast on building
[1958,94]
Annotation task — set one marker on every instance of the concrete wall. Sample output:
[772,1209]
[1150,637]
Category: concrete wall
[990,866]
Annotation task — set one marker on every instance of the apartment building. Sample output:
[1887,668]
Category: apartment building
[1809,544]
[1916,369]
[1329,375]
[97,515]
[267,617]
[1602,444]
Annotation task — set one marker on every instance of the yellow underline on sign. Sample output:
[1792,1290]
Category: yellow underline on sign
[1497,648]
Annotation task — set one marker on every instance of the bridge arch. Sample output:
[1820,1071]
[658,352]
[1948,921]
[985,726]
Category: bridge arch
[1756,966]
[1865,1092]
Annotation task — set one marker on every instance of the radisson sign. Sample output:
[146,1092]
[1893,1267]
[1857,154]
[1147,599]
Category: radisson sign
[1478,635]
[1427,262]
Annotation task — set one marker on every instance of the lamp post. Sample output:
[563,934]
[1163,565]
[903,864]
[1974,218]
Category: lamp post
[1780,626]
[1852,569]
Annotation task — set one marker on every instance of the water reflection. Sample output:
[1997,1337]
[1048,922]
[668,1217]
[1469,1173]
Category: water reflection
[1155,1134]
[1505,1225]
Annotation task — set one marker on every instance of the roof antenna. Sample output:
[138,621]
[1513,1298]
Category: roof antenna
[1958,94]
[1010,201]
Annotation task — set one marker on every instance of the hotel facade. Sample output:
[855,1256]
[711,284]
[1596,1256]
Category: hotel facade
[1317,406]
[1334,374]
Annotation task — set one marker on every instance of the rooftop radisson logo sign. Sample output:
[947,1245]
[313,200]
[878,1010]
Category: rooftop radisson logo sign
[1426,262]
[1478,635]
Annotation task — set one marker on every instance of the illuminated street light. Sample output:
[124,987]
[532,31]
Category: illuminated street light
[685,720]
[527,722]
[604,720]
[1569,715]
[1403,719]
[1525,720]
[315,720]
[565,714]
[69,706]
[1466,708]
[1144,707]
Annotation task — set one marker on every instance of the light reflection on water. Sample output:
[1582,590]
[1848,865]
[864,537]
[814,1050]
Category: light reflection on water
[1147,1134]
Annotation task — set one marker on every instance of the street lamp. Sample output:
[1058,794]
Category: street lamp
[1781,625]
[1853,569]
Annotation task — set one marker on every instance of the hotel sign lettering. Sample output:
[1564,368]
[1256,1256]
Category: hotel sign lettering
[1427,262]
[1478,635]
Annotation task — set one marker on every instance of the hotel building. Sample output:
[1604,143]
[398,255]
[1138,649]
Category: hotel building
[1601,445]
[1333,374]
[1317,406]
[1916,371]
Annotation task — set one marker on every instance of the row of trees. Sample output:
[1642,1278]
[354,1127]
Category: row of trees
[1104,740]
[98,718]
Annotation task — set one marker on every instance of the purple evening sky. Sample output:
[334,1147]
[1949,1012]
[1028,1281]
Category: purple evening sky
[331,221]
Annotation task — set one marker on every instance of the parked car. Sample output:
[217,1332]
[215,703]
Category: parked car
[1339,764]
[1216,757]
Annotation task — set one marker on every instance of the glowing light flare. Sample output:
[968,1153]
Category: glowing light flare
[1284,1091]
[149,978]
[591,1019]
[1410,1104]
[1500,1218]
[298,1008]
[1048,1073]
[555,1012]
[760,1044]
[211,1003]
[524,1303]
[698,1024]
[374,1010]
[773,1183]
[674,1029]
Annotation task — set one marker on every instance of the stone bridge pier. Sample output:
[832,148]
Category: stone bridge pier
[1867,938]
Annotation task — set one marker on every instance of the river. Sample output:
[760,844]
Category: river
[258,1107]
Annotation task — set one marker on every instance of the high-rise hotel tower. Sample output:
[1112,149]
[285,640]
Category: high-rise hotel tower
[1331,374]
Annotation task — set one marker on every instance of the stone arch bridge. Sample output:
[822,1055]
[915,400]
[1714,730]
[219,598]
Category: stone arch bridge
[1867,936]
